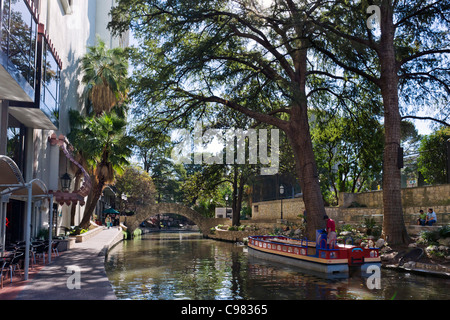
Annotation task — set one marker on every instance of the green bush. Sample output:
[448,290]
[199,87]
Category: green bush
[429,237]
[444,232]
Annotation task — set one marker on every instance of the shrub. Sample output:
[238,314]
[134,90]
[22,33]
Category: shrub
[429,237]
[444,232]
[241,228]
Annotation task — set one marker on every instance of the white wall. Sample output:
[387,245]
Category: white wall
[70,34]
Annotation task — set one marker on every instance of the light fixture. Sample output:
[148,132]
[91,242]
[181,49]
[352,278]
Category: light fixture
[281,198]
[66,180]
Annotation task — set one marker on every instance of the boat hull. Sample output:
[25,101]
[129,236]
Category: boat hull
[336,268]
[312,256]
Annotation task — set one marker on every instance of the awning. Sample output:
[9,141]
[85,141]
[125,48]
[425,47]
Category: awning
[32,118]
[12,185]
[14,86]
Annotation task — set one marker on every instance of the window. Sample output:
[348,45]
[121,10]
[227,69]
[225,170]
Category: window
[67,6]
[51,78]
[18,39]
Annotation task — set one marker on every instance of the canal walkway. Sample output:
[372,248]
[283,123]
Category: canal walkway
[84,262]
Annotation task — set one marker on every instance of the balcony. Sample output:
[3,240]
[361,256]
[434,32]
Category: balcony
[29,66]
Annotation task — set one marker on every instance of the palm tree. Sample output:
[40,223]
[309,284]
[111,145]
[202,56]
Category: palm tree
[100,138]
[104,144]
[105,76]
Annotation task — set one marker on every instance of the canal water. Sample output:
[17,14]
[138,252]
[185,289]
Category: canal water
[173,266]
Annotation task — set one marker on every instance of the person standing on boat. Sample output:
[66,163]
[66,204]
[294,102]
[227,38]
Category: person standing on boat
[331,232]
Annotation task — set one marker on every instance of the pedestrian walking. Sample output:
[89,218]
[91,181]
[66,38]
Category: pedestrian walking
[108,221]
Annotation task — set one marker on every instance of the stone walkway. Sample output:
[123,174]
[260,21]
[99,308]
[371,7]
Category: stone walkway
[85,262]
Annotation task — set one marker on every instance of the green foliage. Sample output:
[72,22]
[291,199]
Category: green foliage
[43,234]
[432,161]
[137,232]
[197,58]
[74,231]
[429,237]
[102,142]
[105,78]
[137,185]
[372,228]
[444,232]
[349,151]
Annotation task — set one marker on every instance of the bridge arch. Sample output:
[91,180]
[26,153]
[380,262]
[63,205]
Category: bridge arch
[203,223]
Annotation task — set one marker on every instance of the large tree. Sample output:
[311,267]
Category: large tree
[137,185]
[99,133]
[406,57]
[105,76]
[349,151]
[198,57]
[105,147]
[433,156]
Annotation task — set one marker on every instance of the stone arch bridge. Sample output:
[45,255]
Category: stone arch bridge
[203,223]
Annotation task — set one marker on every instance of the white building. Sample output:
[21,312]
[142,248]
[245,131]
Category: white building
[42,43]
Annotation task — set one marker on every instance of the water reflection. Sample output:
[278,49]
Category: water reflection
[185,266]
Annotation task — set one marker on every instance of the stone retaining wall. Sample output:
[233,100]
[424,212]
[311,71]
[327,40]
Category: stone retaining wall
[411,197]
[234,236]
[369,205]
[110,245]
[86,236]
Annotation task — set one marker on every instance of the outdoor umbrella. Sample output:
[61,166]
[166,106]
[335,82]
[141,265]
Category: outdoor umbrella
[111,211]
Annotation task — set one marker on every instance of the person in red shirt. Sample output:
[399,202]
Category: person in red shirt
[331,232]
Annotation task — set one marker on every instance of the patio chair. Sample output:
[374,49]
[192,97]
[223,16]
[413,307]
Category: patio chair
[11,266]
[55,245]
[32,254]
[41,250]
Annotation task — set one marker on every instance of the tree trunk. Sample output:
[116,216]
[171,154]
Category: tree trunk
[74,207]
[234,201]
[306,169]
[239,193]
[394,230]
[97,189]
[299,136]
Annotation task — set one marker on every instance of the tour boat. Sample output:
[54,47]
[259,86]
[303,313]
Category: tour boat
[314,256]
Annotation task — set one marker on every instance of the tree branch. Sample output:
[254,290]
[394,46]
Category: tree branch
[266,118]
[427,118]
[420,54]
[426,74]
[416,13]
[345,66]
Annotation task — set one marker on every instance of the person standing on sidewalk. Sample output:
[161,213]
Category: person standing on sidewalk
[108,221]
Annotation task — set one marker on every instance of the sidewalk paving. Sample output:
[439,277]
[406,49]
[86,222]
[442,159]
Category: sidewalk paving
[51,283]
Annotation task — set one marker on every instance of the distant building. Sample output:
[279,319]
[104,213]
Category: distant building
[41,45]
[224,213]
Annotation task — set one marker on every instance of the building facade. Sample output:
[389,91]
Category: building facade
[41,45]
